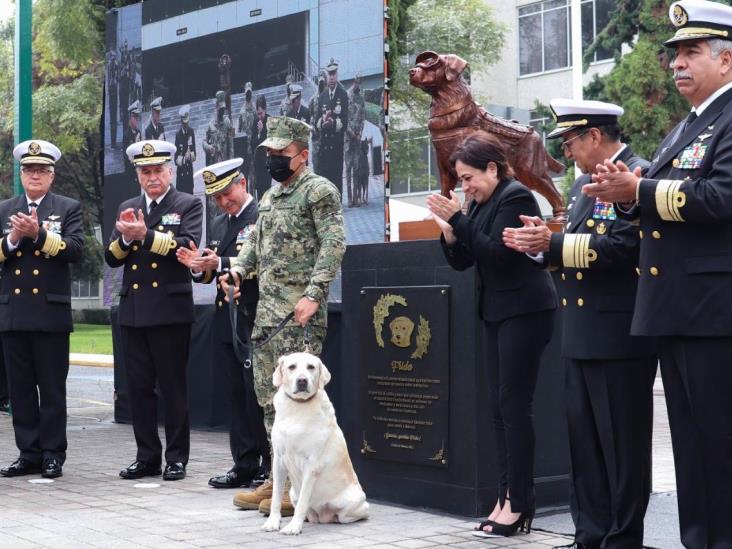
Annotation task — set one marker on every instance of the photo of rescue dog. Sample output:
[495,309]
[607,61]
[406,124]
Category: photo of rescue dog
[308,447]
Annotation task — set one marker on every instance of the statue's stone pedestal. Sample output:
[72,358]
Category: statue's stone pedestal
[391,467]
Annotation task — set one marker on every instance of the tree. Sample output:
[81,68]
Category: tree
[641,81]
[463,27]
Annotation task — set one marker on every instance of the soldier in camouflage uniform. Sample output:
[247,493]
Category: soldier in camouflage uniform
[218,144]
[247,118]
[296,251]
[356,117]
[315,134]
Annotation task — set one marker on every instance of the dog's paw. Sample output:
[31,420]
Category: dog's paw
[294,528]
[272,524]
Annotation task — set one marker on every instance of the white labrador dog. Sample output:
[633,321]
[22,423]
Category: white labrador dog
[309,447]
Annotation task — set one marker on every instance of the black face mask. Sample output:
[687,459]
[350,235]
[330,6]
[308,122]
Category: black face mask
[279,167]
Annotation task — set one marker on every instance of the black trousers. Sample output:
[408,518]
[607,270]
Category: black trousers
[37,365]
[247,436]
[697,378]
[4,397]
[158,354]
[513,350]
[610,419]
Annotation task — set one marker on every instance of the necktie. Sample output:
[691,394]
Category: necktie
[231,220]
[152,206]
[689,121]
[31,206]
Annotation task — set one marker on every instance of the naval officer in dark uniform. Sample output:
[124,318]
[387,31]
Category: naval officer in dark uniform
[156,307]
[229,231]
[683,203]
[185,153]
[610,374]
[332,121]
[155,128]
[42,234]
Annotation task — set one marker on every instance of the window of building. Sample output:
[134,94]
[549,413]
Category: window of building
[545,33]
[85,288]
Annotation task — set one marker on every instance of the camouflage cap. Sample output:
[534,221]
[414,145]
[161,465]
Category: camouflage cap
[283,130]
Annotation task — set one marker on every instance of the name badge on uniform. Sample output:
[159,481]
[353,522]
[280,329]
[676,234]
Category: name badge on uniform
[604,210]
[692,156]
[171,219]
[243,234]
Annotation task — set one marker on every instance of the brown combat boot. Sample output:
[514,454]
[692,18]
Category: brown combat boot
[287,509]
[251,500]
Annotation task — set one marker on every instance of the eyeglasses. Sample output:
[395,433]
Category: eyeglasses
[566,145]
[36,171]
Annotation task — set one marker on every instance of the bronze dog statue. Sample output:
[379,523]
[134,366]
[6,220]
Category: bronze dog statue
[454,115]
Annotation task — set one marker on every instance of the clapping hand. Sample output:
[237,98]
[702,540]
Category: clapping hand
[23,225]
[131,227]
[534,237]
[613,182]
[442,209]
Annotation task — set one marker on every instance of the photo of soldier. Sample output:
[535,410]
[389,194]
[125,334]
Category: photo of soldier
[297,110]
[247,116]
[124,74]
[217,144]
[285,103]
[225,79]
[262,177]
[131,134]
[315,133]
[185,152]
[155,129]
[332,123]
[356,118]
[112,77]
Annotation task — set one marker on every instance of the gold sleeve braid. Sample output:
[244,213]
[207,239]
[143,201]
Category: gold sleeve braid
[576,251]
[53,244]
[162,243]
[117,250]
[669,199]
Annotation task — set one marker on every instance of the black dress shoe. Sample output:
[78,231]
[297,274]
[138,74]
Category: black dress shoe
[232,479]
[261,476]
[5,406]
[51,468]
[574,545]
[140,469]
[20,467]
[174,471]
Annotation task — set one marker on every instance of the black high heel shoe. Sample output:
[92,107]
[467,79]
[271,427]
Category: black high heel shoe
[522,524]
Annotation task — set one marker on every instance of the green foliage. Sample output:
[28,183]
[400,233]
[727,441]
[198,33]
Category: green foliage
[647,93]
[462,27]
[68,76]
[67,40]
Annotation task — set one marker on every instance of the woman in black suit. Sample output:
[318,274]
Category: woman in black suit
[517,303]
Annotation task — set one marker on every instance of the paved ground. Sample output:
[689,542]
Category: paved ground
[91,507]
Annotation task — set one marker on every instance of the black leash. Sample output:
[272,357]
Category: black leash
[243,351]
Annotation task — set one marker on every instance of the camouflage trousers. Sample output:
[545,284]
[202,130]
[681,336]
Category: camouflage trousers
[264,362]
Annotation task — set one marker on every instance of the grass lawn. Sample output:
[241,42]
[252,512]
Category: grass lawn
[91,338]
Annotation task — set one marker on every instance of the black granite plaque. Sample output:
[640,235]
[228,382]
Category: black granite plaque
[404,337]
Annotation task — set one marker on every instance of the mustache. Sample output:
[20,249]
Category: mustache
[682,74]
